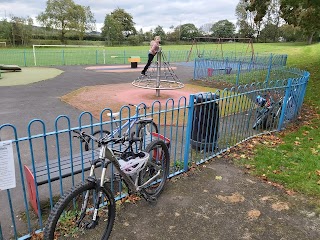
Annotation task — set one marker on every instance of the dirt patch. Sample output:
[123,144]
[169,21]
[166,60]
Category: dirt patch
[96,98]
[234,198]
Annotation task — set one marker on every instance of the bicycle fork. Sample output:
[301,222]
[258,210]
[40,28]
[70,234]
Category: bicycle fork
[95,216]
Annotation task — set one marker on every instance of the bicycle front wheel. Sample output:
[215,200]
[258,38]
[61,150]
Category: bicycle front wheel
[72,215]
[156,170]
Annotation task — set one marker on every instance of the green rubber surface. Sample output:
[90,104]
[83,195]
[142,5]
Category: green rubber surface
[28,75]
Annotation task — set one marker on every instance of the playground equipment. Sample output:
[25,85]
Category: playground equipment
[160,76]
[10,67]
[199,44]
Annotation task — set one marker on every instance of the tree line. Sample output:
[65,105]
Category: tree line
[262,20]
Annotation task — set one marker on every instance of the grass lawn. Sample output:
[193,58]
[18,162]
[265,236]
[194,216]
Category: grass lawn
[292,158]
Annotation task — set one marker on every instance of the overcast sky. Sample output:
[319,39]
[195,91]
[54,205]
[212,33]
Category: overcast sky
[146,14]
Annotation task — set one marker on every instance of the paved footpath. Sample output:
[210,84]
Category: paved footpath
[230,207]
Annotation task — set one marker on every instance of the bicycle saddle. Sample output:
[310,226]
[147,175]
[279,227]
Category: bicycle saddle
[114,115]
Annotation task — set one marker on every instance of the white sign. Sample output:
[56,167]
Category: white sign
[7,170]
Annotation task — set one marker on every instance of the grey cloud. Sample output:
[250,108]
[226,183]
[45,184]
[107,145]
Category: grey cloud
[146,14]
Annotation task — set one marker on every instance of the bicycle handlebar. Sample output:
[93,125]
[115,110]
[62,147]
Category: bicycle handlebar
[139,108]
[105,140]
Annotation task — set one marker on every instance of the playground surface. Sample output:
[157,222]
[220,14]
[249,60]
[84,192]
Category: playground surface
[216,200]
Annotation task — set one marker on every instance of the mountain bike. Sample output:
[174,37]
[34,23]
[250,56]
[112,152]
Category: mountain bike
[145,126]
[270,111]
[92,202]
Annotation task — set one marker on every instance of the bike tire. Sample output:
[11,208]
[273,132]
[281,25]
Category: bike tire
[275,115]
[261,121]
[145,131]
[67,227]
[158,156]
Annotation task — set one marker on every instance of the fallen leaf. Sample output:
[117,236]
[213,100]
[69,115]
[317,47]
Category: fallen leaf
[314,151]
[280,206]
[267,198]
[254,214]
[218,178]
[234,198]
[290,192]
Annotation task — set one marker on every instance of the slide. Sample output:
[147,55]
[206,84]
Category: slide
[10,67]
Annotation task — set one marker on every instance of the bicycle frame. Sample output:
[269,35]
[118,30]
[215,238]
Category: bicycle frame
[128,125]
[106,156]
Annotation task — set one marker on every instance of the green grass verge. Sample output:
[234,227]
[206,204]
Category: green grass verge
[295,163]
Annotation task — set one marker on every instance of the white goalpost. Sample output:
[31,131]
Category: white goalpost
[65,46]
[3,44]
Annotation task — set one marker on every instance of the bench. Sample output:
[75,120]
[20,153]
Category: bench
[66,167]
[226,69]
[134,61]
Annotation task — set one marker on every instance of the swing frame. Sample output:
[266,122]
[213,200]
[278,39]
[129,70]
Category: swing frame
[219,42]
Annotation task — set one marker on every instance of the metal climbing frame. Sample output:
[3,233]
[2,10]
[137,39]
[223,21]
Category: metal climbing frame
[160,76]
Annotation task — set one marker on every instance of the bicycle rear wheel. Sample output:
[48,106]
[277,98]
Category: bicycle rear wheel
[158,163]
[144,131]
[71,217]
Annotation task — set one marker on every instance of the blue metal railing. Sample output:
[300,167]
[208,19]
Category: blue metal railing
[227,119]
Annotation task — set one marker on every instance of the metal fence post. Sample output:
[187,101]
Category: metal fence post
[284,103]
[238,74]
[269,69]
[188,133]
[63,60]
[25,58]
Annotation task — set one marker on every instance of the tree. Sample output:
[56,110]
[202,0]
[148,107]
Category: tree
[245,22]
[5,30]
[65,15]
[18,31]
[301,13]
[112,30]
[188,31]
[158,31]
[125,20]
[174,34]
[269,32]
[205,29]
[290,33]
[84,20]
[223,29]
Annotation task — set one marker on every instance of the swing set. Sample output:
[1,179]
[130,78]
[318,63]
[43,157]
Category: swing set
[199,45]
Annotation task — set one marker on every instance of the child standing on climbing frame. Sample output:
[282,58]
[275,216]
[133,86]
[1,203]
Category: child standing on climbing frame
[154,48]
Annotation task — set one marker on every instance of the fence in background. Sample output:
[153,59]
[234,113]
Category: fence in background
[199,127]
[90,56]
[243,70]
